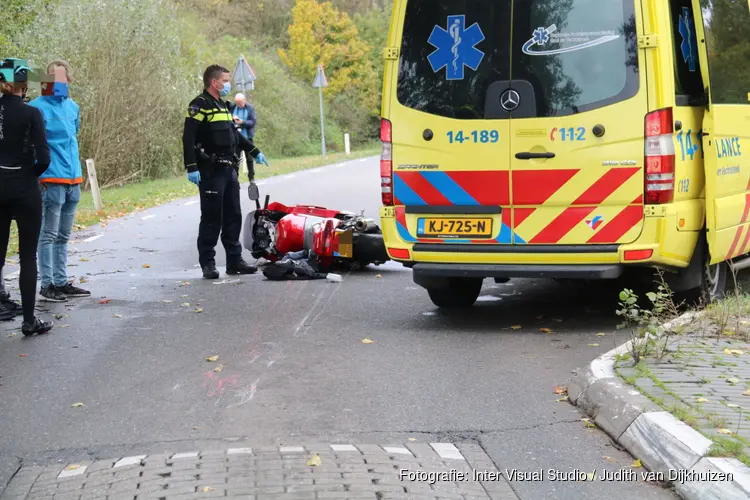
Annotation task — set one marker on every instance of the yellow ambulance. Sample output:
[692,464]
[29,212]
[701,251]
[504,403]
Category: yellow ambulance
[566,139]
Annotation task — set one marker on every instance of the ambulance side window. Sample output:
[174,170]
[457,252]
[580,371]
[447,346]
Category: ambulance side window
[727,29]
[688,80]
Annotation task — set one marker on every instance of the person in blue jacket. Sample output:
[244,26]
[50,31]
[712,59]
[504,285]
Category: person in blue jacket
[61,185]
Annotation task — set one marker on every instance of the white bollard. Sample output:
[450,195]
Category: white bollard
[346,144]
[91,168]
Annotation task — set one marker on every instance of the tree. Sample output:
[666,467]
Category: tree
[320,34]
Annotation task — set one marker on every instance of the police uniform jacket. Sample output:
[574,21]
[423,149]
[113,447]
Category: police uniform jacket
[209,126]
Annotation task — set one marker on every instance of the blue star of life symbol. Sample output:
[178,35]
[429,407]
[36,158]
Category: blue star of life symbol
[541,36]
[687,47]
[456,47]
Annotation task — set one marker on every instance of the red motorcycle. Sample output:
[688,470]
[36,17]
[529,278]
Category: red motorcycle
[328,239]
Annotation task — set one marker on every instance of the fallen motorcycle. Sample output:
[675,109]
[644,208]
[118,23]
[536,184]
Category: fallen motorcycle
[311,240]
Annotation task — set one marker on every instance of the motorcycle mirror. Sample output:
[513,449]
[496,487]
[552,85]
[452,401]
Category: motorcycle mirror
[252,192]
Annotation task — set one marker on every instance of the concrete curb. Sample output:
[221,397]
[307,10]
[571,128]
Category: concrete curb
[665,445]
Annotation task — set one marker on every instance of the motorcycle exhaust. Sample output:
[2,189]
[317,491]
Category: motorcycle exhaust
[364,225]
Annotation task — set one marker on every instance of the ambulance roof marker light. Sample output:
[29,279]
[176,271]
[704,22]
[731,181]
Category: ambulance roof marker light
[386,163]
[659,157]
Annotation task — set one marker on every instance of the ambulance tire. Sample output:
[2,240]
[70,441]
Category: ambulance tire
[714,282]
[460,293]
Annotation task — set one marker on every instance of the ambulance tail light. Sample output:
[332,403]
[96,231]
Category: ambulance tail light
[386,163]
[659,157]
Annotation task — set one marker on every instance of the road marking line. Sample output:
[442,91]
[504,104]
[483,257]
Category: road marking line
[72,472]
[188,454]
[191,203]
[239,451]
[129,461]
[93,238]
[291,449]
[148,217]
[447,451]
[343,447]
[395,449]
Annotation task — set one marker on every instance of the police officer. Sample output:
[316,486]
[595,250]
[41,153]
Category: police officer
[210,146]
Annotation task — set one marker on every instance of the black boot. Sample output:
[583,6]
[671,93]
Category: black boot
[210,272]
[240,267]
[9,305]
[38,326]
[5,313]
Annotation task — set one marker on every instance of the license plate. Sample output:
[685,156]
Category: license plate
[454,228]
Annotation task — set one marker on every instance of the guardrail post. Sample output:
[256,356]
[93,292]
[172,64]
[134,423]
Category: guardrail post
[91,168]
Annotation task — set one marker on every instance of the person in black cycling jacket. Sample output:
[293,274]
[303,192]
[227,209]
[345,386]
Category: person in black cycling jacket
[24,156]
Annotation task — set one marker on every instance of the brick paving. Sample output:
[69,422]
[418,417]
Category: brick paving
[418,471]
[703,380]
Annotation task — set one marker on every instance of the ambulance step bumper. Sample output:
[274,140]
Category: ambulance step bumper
[593,272]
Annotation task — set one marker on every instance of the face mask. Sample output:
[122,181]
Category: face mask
[226,90]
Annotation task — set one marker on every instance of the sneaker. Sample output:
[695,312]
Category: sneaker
[51,294]
[210,272]
[241,267]
[69,290]
[10,305]
[38,326]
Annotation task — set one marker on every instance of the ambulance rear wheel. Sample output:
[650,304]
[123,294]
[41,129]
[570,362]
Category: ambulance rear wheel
[460,293]
[714,281]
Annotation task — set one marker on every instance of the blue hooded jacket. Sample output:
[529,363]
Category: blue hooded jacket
[62,122]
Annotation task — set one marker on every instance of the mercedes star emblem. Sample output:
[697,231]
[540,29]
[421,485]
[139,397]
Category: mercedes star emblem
[510,100]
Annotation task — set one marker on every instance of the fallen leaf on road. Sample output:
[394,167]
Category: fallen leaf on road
[559,320]
[219,368]
[746,393]
[186,304]
[561,400]
[117,315]
[185,283]
[601,334]
[72,467]
[736,352]
[725,431]
[378,275]
[561,389]
[146,266]
[368,341]
[515,327]
[77,405]
[23,355]
[167,301]
[588,423]
[184,296]
[412,439]
[637,463]
[212,358]
[593,345]
[83,280]
[195,428]
[702,400]
[590,476]
[105,301]
[545,330]
[64,326]
[198,310]
[609,459]
[732,405]
[59,316]
[207,489]
[733,380]
[314,461]
[83,259]
[12,335]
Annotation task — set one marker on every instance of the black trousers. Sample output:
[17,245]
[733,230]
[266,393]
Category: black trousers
[221,214]
[21,199]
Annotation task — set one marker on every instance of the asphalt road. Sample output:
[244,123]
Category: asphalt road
[293,367]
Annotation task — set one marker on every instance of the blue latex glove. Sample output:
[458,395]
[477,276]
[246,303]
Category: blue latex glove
[194,177]
[262,159]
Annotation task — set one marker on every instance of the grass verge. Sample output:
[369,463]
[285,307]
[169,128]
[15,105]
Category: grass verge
[123,200]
